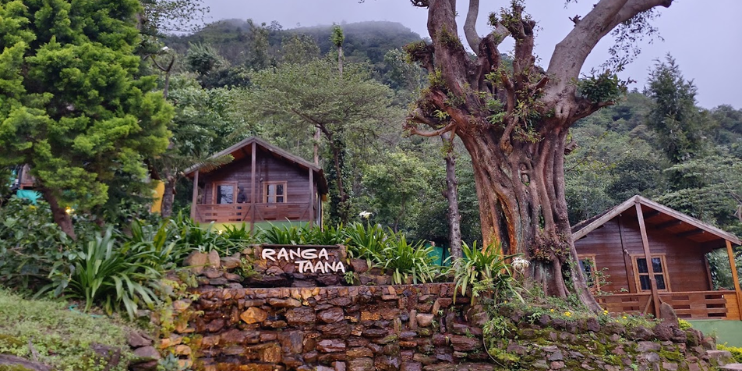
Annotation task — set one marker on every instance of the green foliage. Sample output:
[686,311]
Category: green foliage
[301,235]
[736,351]
[30,244]
[337,37]
[190,236]
[62,338]
[674,116]
[203,59]
[161,16]
[400,186]
[484,272]
[409,261]
[364,41]
[366,241]
[603,87]
[112,278]
[73,104]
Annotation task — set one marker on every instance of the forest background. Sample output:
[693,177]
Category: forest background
[233,79]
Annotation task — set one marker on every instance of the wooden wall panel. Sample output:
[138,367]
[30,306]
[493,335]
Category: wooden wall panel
[685,259]
[269,168]
[605,243]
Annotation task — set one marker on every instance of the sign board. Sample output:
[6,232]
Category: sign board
[306,259]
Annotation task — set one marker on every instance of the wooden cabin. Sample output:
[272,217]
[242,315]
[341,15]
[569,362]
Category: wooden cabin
[654,254]
[262,183]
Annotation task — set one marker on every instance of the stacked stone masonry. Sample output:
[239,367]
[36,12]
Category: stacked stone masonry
[403,327]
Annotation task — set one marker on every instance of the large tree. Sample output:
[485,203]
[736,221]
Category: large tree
[72,102]
[514,121]
[346,109]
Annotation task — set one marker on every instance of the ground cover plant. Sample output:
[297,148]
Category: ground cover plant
[57,336]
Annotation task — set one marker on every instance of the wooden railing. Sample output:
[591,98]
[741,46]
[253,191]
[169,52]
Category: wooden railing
[626,303]
[702,304]
[253,212]
[720,304]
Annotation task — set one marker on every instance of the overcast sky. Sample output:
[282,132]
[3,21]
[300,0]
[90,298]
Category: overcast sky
[704,36]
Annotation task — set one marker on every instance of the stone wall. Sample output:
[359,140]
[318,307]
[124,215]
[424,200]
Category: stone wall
[223,326]
[341,328]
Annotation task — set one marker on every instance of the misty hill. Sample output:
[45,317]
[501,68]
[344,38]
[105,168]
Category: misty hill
[364,41]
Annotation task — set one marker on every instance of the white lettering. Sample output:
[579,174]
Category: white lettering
[268,254]
[323,254]
[309,254]
[339,266]
[329,267]
[302,265]
[305,265]
[293,254]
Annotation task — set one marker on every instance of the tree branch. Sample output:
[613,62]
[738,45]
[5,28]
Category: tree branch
[470,29]
[570,54]
[413,130]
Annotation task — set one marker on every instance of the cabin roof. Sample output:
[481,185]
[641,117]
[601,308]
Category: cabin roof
[658,217]
[238,152]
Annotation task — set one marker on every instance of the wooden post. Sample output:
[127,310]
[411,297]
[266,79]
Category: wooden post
[631,281]
[735,277]
[252,186]
[311,197]
[648,256]
[194,197]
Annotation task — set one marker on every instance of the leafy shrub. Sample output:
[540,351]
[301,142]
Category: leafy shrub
[407,260]
[736,351]
[366,242]
[483,272]
[302,235]
[111,278]
[189,236]
[30,244]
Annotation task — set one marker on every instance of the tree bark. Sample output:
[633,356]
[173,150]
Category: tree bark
[452,195]
[514,122]
[59,213]
[168,198]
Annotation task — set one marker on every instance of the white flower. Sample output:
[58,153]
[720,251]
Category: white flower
[520,264]
[365,214]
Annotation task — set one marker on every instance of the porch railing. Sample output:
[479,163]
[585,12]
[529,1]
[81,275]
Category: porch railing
[721,304]
[703,304]
[253,212]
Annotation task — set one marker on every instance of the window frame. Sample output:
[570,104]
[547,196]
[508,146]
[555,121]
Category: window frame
[637,276]
[215,192]
[591,257]
[284,183]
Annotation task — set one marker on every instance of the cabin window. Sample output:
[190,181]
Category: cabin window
[589,270]
[641,272]
[224,192]
[274,192]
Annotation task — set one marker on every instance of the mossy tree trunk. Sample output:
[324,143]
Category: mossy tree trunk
[514,123]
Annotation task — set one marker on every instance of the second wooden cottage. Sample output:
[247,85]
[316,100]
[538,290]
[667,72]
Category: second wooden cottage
[262,183]
[654,254]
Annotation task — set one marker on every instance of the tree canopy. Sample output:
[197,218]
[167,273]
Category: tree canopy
[74,106]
